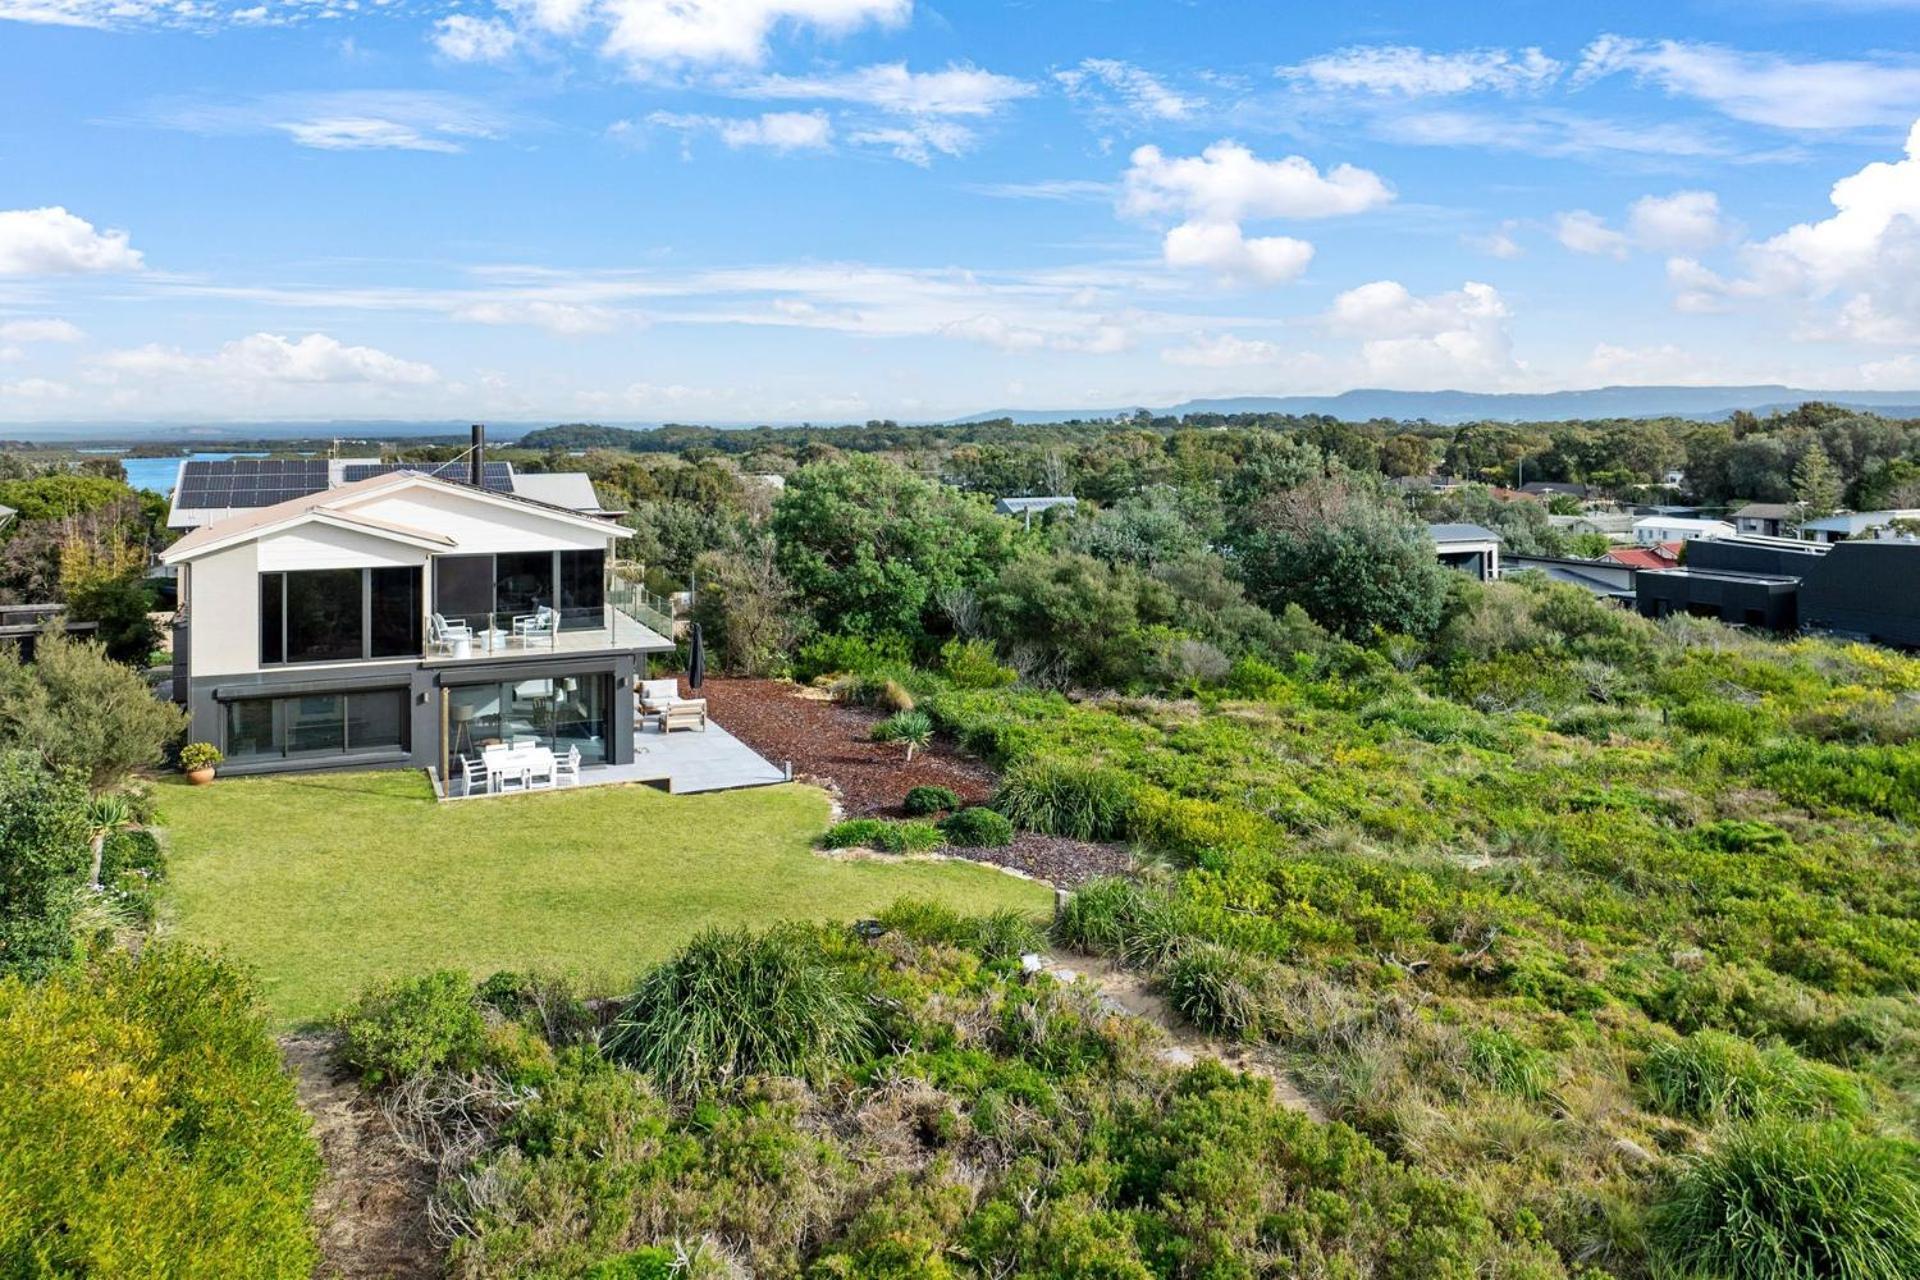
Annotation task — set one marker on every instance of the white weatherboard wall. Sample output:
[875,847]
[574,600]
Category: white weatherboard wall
[478,526]
[223,603]
[319,546]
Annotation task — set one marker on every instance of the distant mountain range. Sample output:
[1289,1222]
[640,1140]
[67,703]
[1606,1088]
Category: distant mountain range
[1478,406]
[1448,407]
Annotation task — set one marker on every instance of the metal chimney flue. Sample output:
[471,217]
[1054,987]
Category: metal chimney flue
[477,458]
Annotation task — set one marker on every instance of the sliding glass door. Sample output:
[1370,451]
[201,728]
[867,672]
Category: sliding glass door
[491,590]
[560,712]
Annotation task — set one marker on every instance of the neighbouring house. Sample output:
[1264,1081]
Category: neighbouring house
[1658,555]
[1613,524]
[403,618]
[1767,519]
[1867,589]
[1853,524]
[1556,489]
[1649,530]
[1470,548]
[1607,579]
[1028,508]
[22,624]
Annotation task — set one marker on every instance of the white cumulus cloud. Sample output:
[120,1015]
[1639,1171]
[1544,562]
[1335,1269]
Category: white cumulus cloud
[1441,340]
[52,241]
[1685,220]
[465,38]
[271,358]
[1223,248]
[1585,232]
[724,31]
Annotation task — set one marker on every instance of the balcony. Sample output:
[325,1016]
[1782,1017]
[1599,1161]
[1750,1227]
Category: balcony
[494,637]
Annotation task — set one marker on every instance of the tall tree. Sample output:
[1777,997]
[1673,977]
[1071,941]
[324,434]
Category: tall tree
[1816,485]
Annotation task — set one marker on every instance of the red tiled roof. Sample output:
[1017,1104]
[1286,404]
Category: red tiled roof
[1661,555]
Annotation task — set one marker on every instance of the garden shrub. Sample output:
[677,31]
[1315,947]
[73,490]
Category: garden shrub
[1220,989]
[1712,1075]
[405,1026]
[904,726]
[1117,916]
[132,868]
[997,935]
[1778,1201]
[735,1003]
[639,1264]
[1069,798]
[44,859]
[849,655]
[553,1004]
[147,1127]
[971,664]
[924,801]
[978,828]
[879,833]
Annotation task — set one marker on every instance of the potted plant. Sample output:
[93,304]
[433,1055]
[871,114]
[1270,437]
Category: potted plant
[197,760]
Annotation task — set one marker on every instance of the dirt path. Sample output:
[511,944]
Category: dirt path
[372,1207]
[1125,991]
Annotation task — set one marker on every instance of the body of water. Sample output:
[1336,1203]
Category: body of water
[158,474]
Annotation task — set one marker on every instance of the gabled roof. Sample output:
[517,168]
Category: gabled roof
[336,507]
[1764,511]
[1461,533]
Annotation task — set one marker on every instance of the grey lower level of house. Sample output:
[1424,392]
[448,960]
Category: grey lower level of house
[429,730]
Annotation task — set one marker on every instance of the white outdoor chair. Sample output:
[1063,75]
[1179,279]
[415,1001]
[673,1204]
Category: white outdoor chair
[566,769]
[543,773]
[525,744]
[657,698]
[542,623]
[473,770]
[442,634]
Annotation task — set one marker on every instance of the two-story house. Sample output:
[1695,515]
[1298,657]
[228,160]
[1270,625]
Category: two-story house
[406,619]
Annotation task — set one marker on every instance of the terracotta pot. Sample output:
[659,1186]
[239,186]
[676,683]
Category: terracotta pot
[200,777]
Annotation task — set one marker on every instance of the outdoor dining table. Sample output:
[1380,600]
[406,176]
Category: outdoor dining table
[524,762]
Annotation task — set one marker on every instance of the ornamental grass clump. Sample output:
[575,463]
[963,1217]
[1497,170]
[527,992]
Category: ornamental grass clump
[1219,989]
[1780,1201]
[1069,798]
[734,1004]
[1712,1075]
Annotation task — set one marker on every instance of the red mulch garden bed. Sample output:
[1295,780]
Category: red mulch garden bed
[828,743]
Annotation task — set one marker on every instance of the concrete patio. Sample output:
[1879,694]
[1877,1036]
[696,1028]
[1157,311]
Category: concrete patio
[684,762]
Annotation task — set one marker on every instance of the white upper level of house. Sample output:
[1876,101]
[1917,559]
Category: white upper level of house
[400,567]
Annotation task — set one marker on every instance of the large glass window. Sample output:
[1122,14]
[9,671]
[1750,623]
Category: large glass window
[324,611]
[394,595]
[561,712]
[316,725]
[583,588]
[463,589]
[522,581]
[273,603]
[251,731]
[339,615]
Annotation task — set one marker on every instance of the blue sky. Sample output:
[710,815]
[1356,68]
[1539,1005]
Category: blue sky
[636,210]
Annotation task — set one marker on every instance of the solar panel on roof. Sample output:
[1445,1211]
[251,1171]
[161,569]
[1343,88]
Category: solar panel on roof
[496,476]
[248,482]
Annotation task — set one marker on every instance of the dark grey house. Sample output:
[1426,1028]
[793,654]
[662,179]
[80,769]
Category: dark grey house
[1865,589]
[1470,548]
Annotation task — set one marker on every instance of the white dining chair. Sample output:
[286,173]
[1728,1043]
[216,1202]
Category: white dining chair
[566,769]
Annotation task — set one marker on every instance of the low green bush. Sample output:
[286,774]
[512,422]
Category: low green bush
[971,664]
[1115,916]
[1779,1201]
[923,802]
[1219,989]
[641,1264]
[888,837]
[1070,798]
[132,869]
[406,1026]
[147,1126]
[1713,1075]
[978,828]
[848,655]
[734,1003]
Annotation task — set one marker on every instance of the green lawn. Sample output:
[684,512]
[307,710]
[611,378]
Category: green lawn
[324,881]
